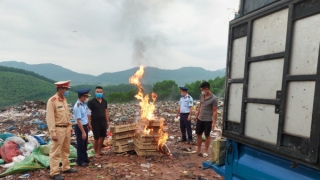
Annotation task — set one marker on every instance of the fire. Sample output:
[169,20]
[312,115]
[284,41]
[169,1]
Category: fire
[147,108]
[146,131]
[163,139]
[162,147]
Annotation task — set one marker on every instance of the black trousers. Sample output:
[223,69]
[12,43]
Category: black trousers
[185,125]
[82,145]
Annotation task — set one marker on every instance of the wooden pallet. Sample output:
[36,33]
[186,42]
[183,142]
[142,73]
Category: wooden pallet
[143,152]
[151,123]
[121,142]
[147,138]
[124,148]
[123,135]
[123,128]
[143,145]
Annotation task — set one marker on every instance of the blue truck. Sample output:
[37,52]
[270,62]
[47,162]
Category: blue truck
[272,100]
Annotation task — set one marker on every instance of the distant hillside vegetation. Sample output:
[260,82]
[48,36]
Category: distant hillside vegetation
[152,75]
[51,71]
[17,85]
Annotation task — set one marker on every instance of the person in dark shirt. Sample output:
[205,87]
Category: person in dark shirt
[98,120]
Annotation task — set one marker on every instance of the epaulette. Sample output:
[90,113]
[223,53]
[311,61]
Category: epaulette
[188,96]
[53,99]
[78,104]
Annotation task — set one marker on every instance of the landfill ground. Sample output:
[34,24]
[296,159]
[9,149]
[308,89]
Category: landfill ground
[182,164]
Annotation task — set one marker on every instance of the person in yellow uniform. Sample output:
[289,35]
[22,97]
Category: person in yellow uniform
[59,126]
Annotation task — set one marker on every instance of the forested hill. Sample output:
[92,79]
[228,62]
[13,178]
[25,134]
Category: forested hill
[25,72]
[17,85]
[152,74]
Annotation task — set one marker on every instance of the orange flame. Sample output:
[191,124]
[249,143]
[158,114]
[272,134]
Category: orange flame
[163,139]
[146,131]
[147,108]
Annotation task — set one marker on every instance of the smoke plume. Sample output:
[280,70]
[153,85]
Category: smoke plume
[136,23]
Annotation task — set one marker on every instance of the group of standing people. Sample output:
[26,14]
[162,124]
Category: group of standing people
[90,115]
[93,115]
[205,117]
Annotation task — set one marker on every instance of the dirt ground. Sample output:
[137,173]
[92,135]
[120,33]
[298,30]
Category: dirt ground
[112,166]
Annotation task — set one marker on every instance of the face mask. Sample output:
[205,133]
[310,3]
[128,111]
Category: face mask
[86,100]
[181,95]
[99,95]
[203,92]
[65,94]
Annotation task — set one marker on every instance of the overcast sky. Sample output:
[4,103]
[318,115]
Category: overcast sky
[97,36]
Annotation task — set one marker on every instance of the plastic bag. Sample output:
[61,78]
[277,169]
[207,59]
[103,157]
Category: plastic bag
[40,140]
[17,140]
[16,159]
[29,146]
[41,154]
[28,164]
[9,150]
[5,136]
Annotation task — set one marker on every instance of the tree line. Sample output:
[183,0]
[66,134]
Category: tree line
[17,85]
[166,90]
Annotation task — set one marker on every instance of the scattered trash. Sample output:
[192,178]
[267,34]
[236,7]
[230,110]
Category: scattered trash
[28,130]
[25,176]
[90,134]
[147,165]
[9,150]
[16,159]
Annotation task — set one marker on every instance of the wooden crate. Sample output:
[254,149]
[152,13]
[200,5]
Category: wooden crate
[143,152]
[147,138]
[123,128]
[151,123]
[123,135]
[156,131]
[143,145]
[124,148]
[121,142]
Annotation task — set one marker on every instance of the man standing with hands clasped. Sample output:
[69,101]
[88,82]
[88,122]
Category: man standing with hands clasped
[205,117]
[185,111]
[59,126]
[80,110]
[98,120]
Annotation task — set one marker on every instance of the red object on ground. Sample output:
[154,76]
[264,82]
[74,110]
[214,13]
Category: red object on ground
[9,150]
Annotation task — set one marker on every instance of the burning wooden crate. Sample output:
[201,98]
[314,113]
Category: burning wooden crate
[148,137]
[122,137]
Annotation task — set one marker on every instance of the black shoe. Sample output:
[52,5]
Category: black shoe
[181,140]
[70,171]
[57,177]
[88,161]
[83,164]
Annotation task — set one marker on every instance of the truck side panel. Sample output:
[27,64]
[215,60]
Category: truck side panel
[272,98]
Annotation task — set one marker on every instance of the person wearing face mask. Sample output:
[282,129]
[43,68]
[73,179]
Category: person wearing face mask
[185,111]
[98,120]
[205,117]
[59,126]
[80,112]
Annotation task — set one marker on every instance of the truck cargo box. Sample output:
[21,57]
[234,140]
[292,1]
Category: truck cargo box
[272,98]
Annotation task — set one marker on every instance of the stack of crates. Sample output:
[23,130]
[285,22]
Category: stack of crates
[122,137]
[146,145]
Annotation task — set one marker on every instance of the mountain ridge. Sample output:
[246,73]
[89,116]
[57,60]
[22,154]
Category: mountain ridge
[152,74]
